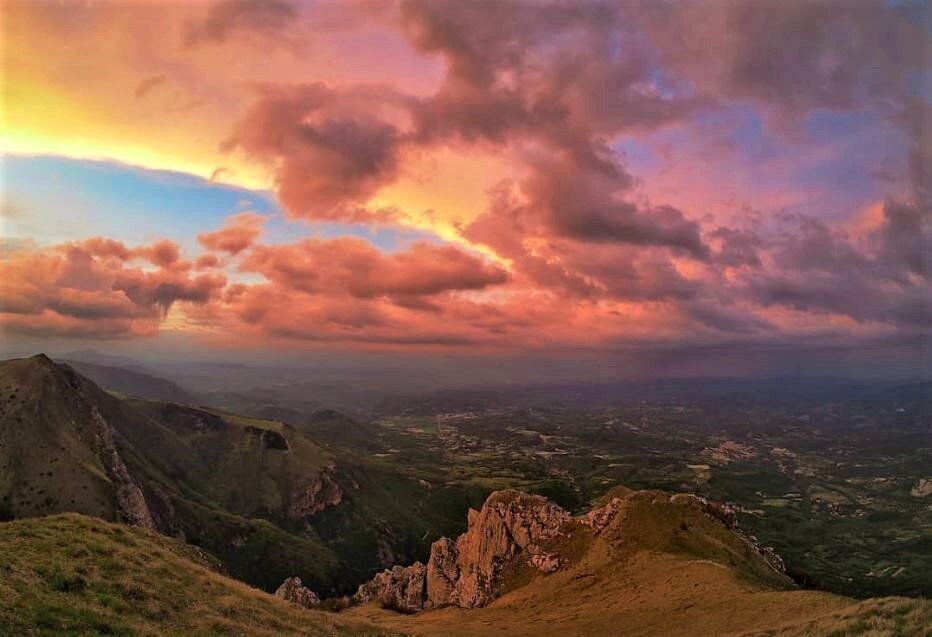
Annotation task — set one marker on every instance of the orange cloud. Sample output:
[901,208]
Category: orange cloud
[355,267]
[238,233]
[91,288]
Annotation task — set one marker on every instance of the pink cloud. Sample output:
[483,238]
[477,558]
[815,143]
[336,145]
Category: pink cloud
[238,233]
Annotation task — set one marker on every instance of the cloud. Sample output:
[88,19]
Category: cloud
[92,288]
[148,84]
[813,269]
[332,150]
[238,233]
[792,55]
[354,267]
[606,227]
[226,17]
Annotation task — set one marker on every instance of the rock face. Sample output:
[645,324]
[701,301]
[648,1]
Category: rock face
[309,499]
[511,528]
[294,591]
[443,572]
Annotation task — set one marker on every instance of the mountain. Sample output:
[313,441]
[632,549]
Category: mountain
[639,563]
[265,498]
[68,446]
[75,575]
[131,382]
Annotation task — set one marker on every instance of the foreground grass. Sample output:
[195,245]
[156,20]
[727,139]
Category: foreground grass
[75,575]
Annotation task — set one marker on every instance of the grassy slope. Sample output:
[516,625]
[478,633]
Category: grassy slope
[662,570]
[74,575]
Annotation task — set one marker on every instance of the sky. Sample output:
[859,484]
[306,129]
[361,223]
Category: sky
[579,180]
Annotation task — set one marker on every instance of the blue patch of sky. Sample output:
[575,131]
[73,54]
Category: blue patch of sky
[60,199]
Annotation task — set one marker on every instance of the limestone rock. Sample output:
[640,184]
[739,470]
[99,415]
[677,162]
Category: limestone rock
[514,530]
[294,591]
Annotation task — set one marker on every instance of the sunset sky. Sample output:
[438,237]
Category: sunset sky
[482,178]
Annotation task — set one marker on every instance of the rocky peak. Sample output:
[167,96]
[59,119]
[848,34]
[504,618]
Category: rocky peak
[511,528]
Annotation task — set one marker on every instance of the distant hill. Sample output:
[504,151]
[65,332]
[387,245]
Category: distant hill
[75,575]
[130,382]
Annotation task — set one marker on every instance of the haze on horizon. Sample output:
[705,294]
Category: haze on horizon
[577,189]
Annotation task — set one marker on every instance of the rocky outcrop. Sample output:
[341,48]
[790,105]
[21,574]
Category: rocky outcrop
[722,511]
[401,588]
[508,524]
[598,518]
[516,531]
[130,500]
[310,499]
[294,591]
[512,528]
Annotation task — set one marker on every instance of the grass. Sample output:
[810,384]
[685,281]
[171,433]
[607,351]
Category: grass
[75,575]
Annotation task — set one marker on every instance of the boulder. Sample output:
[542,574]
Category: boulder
[295,592]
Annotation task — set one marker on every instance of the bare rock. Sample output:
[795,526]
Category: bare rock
[294,591]
[309,499]
[130,499]
[509,523]
[723,512]
[401,588]
[546,562]
[442,572]
[599,518]
[511,528]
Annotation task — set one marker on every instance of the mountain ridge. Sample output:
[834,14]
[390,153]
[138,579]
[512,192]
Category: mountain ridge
[638,563]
